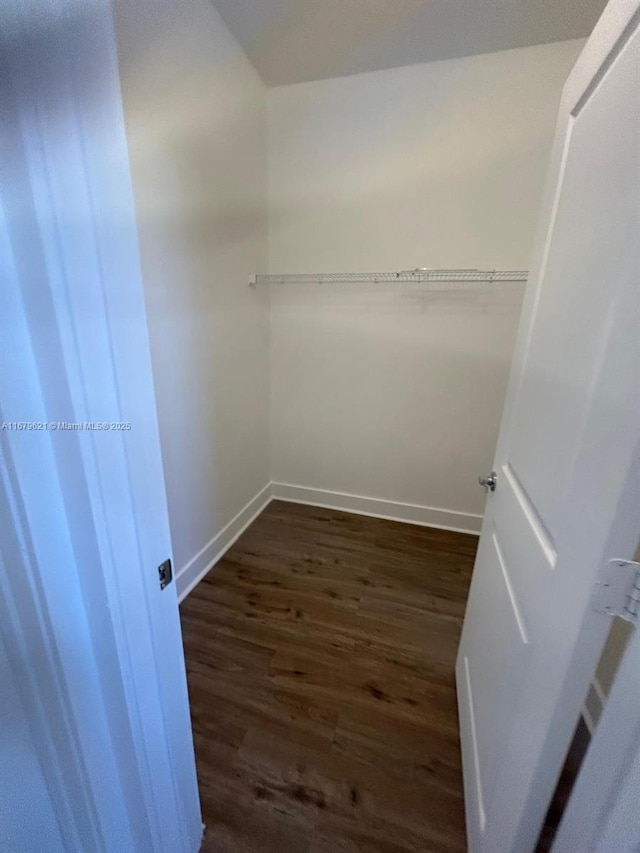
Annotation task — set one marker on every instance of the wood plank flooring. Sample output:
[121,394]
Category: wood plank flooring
[320,657]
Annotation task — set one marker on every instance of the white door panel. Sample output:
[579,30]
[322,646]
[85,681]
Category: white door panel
[500,646]
[579,280]
[564,459]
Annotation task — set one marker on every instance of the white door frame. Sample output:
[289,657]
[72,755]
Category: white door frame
[602,812]
[97,643]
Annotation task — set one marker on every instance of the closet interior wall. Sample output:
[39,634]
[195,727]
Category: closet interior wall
[195,113]
[388,398]
[383,398]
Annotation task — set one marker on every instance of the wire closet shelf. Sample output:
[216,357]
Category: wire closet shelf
[417,276]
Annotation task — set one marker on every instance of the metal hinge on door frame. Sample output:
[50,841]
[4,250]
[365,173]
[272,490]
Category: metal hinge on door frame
[617,591]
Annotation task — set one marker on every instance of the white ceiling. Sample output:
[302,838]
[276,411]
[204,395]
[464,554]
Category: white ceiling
[290,41]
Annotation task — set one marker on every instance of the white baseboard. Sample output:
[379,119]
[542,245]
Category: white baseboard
[427,516]
[192,573]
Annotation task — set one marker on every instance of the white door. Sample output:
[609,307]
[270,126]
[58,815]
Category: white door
[567,461]
[97,754]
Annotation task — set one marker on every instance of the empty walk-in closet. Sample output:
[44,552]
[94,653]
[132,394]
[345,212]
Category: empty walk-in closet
[271,179]
[372,350]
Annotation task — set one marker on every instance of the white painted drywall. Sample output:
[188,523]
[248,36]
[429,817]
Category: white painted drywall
[196,126]
[392,392]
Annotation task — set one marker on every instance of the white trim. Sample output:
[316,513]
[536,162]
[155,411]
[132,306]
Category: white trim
[599,691]
[426,516]
[601,814]
[113,680]
[588,720]
[192,573]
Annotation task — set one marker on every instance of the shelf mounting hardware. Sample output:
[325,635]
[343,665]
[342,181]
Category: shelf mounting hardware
[420,275]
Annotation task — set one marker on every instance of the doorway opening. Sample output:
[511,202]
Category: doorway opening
[594,705]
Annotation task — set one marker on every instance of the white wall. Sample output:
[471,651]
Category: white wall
[396,393]
[196,125]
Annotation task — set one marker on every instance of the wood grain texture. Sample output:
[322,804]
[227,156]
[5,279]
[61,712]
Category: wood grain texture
[320,657]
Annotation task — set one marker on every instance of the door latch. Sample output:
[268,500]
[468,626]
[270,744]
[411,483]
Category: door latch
[164,573]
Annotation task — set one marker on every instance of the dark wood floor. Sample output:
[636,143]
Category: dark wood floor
[320,657]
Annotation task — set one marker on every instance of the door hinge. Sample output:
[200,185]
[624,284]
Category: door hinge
[617,591]
[164,573]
